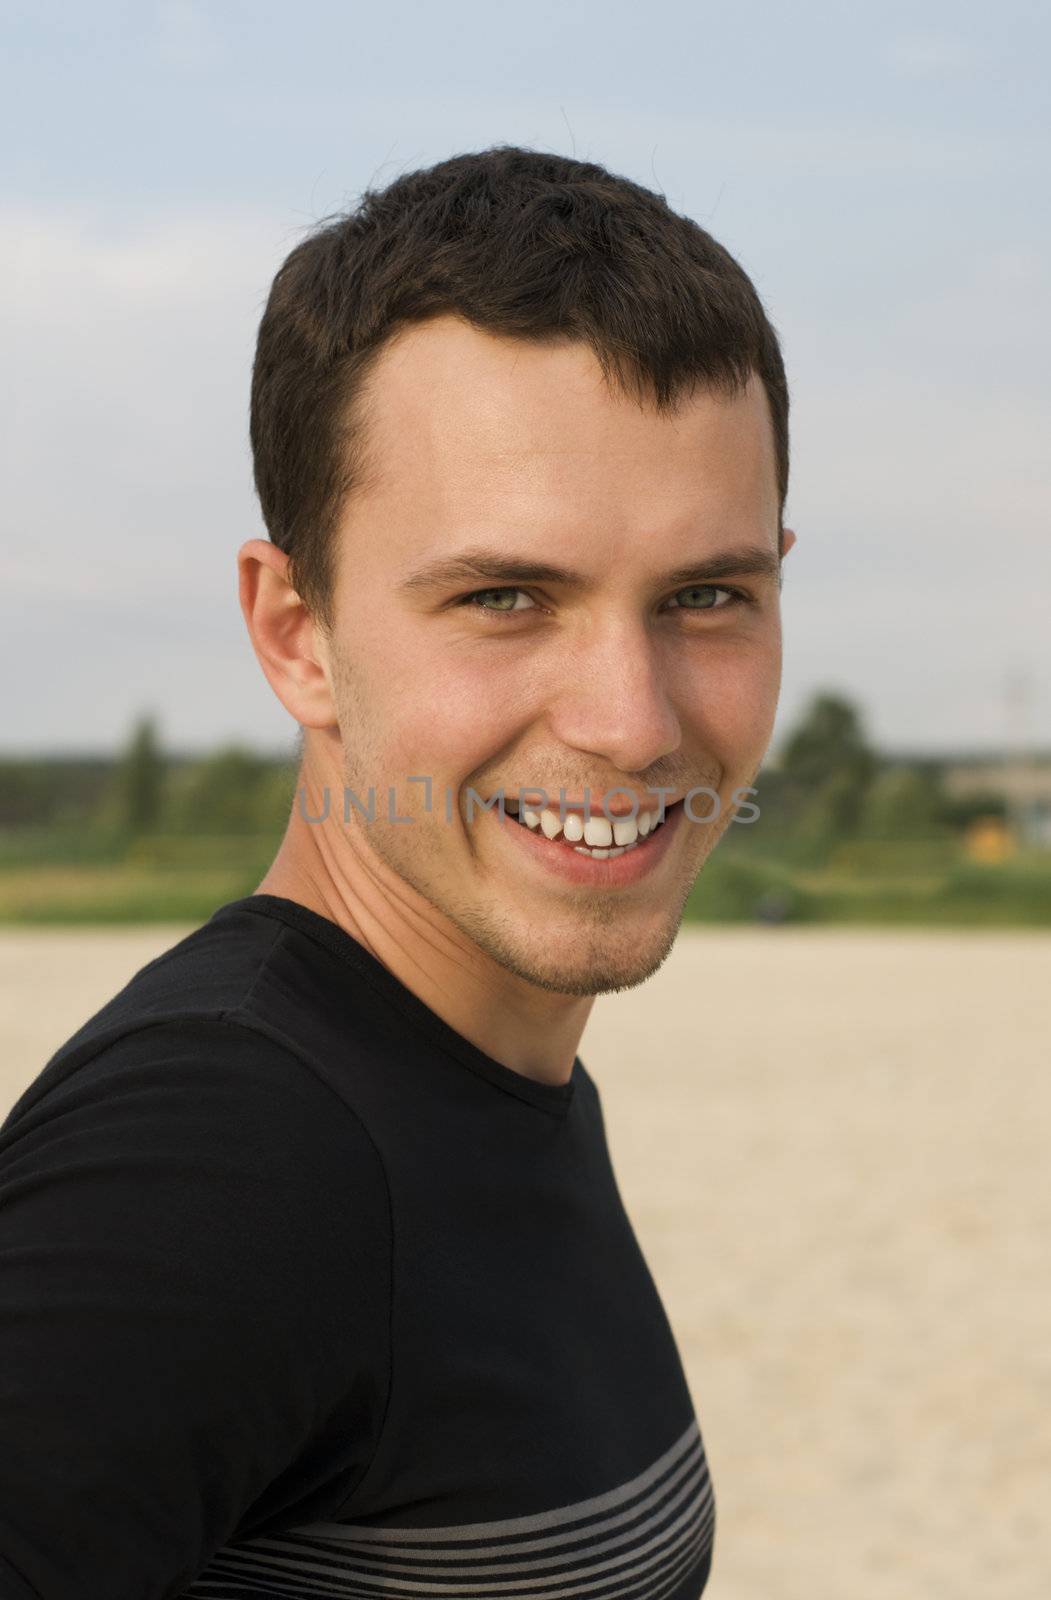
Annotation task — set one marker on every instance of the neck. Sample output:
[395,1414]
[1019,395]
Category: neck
[330,870]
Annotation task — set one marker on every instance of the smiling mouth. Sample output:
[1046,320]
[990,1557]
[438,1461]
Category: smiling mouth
[597,837]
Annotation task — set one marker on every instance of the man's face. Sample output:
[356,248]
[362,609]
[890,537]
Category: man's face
[633,677]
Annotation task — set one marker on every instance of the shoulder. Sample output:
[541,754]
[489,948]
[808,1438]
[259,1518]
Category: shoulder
[225,999]
[199,1119]
[215,1088]
[196,1242]
[212,1055]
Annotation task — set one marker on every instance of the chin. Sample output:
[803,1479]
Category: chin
[600,964]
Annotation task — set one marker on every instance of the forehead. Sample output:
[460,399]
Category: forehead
[459,421]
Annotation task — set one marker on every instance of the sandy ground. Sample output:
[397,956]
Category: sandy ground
[835,1149]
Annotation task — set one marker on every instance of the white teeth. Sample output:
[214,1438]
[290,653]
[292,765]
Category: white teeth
[550,823]
[597,831]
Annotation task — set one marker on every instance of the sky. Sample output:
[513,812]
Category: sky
[881,172]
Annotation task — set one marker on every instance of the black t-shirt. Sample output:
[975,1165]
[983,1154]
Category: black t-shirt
[301,1293]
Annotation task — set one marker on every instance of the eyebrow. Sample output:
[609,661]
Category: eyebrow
[478,564]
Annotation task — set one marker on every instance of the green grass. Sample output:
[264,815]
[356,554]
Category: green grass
[98,878]
[119,894]
[918,884]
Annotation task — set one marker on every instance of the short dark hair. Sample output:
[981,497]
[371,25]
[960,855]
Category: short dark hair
[517,242]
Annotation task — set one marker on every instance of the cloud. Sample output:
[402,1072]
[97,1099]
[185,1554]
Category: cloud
[126,425]
[66,263]
[186,37]
[932,55]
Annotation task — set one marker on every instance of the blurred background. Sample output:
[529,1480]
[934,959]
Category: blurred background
[877,171]
[853,1025]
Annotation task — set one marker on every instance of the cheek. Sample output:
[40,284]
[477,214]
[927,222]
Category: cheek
[448,715]
[734,702]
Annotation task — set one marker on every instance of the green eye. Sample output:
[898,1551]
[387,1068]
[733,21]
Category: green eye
[507,594]
[707,591]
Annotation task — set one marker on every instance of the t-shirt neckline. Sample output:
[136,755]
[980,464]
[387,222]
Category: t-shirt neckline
[553,1097]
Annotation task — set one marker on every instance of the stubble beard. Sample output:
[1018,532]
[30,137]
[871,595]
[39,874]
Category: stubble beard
[603,955]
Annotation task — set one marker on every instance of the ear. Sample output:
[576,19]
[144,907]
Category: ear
[288,644]
[788,539]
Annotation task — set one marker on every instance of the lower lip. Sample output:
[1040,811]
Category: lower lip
[594,872]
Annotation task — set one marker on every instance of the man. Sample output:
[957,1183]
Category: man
[320,1282]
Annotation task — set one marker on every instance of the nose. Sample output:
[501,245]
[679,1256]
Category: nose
[612,698]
